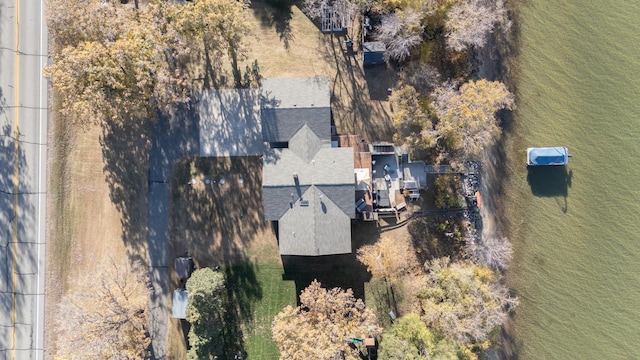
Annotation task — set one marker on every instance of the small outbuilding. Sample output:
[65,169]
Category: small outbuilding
[373,53]
[179,305]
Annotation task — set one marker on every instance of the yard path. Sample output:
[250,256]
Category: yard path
[172,138]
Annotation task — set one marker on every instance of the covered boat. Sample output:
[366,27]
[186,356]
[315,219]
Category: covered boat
[541,156]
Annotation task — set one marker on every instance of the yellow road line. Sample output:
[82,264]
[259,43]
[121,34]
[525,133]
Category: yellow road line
[16,182]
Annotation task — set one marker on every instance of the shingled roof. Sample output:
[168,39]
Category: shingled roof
[312,200]
[289,103]
[309,188]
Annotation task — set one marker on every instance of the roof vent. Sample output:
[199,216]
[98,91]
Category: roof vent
[304,203]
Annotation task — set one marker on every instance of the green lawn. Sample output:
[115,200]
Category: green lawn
[268,294]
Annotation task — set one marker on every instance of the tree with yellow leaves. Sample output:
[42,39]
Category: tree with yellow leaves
[114,61]
[320,327]
[388,258]
[118,63]
[106,317]
[467,116]
[216,27]
[410,339]
[462,301]
[414,128]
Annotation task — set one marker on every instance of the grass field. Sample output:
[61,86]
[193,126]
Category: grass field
[258,293]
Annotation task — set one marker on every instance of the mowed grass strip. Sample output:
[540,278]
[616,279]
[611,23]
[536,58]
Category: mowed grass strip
[276,294]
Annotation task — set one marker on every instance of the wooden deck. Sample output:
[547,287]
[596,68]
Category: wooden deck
[361,154]
[361,160]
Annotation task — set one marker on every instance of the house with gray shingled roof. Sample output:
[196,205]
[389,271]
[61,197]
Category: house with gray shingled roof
[309,188]
[308,185]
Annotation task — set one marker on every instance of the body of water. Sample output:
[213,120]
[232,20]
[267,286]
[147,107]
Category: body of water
[576,230]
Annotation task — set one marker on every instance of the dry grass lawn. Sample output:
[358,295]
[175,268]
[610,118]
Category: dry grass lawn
[219,223]
[86,226]
[288,44]
[285,43]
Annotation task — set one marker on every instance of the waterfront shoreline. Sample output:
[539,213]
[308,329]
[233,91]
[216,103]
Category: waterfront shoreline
[494,63]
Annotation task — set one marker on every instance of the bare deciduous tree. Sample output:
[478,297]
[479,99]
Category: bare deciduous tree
[492,251]
[469,23]
[314,8]
[106,317]
[317,329]
[401,32]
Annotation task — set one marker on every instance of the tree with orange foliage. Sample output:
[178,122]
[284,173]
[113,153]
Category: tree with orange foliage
[320,326]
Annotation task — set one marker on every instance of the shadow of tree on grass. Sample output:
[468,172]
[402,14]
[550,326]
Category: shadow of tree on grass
[125,152]
[277,14]
[243,290]
[356,94]
[215,213]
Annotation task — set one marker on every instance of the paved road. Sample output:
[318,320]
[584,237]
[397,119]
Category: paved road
[23,153]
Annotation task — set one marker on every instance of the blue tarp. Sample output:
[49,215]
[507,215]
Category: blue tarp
[547,156]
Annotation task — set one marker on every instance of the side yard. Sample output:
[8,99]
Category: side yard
[216,218]
[95,200]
